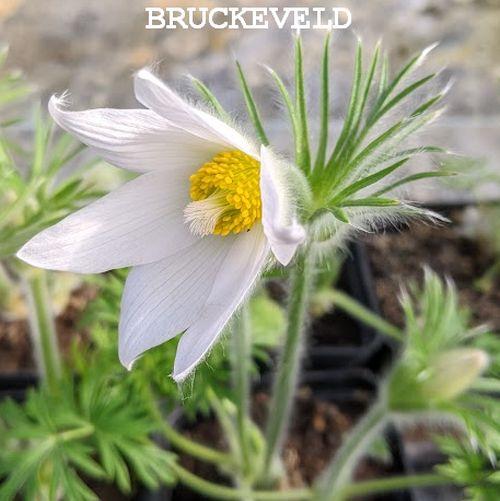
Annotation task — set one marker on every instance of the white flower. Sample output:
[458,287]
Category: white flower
[197,224]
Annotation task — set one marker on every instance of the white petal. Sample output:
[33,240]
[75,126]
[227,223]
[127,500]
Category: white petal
[242,265]
[280,227]
[140,222]
[156,95]
[137,140]
[162,299]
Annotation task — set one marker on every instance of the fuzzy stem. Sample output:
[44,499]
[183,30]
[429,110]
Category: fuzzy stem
[339,472]
[357,310]
[289,365]
[241,346]
[394,484]
[42,327]
[181,442]
[194,449]
[220,492]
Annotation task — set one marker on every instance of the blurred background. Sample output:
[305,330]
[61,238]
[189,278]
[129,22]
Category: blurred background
[92,48]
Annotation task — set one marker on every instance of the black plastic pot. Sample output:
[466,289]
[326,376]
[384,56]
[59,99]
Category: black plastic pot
[368,349]
[16,385]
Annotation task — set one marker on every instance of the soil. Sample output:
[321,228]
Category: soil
[316,433]
[16,354]
[399,257]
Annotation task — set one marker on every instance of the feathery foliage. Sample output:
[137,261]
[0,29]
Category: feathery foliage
[31,196]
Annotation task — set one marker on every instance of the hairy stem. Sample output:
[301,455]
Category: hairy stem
[241,357]
[394,484]
[289,365]
[182,443]
[215,491]
[339,472]
[220,492]
[42,327]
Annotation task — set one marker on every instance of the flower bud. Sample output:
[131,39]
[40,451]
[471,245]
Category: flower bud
[453,372]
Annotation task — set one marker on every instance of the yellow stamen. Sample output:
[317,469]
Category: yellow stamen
[225,194]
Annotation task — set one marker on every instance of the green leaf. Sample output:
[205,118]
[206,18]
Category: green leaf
[404,93]
[411,178]
[348,122]
[324,107]
[252,107]
[304,156]
[340,214]
[291,109]
[370,202]
[209,98]
[367,181]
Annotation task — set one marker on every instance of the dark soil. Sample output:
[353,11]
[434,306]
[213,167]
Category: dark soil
[16,353]
[398,257]
[335,329]
[316,433]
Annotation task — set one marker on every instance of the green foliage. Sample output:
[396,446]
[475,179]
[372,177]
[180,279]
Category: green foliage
[471,467]
[31,197]
[439,361]
[434,319]
[364,158]
[12,87]
[93,427]
[153,369]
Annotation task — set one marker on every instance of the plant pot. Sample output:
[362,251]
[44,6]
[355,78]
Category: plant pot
[364,347]
[16,385]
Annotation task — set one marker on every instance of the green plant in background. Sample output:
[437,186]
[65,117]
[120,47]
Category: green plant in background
[12,88]
[92,427]
[482,222]
[32,195]
[92,419]
[443,372]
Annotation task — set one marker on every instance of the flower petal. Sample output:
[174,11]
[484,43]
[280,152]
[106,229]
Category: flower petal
[281,229]
[241,266]
[162,299]
[140,222]
[137,140]
[157,96]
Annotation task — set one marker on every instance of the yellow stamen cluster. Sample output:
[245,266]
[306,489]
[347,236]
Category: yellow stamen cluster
[225,194]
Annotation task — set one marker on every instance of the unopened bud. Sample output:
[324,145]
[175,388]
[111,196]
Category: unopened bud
[453,372]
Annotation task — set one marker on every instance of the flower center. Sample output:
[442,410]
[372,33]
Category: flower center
[225,194]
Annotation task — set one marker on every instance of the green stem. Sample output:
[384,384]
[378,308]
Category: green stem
[387,484]
[220,492]
[487,384]
[76,434]
[394,484]
[42,327]
[289,365]
[194,449]
[357,310]
[339,472]
[242,352]
[183,443]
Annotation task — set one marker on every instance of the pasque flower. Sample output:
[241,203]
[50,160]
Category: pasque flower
[197,225]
